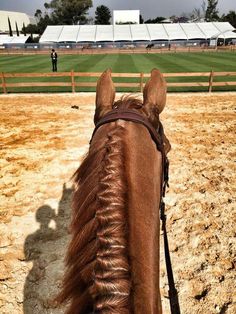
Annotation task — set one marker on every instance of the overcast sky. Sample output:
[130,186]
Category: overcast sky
[148,8]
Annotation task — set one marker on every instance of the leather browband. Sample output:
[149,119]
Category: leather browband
[130,115]
[157,137]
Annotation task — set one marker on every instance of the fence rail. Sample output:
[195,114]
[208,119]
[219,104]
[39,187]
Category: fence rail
[139,84]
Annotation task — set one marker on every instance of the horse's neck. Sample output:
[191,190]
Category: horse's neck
[142,169]
[144,173]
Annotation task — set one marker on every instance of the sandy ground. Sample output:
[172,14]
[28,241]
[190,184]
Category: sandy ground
[43,140]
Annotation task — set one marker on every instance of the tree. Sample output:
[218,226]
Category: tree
[212,11]
[9,25]
[70,12]
[32,29]
[204,7]
[38,15]
[196,14]
[102,15]
[230,17]
[158,19]
[23,29]
[43,20]
[17,30]
[141,20]
[126,23]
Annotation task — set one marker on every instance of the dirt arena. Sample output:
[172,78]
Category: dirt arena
[43,140]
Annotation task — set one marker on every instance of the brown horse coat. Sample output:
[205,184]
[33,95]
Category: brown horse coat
[113,257]
[144,172]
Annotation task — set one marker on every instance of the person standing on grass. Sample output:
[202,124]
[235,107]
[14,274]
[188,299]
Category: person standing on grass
[54,60]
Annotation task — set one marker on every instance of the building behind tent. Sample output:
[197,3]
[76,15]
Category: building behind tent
[16,18]
[126,17]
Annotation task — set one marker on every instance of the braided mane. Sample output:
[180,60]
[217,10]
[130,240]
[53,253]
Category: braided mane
[98,275]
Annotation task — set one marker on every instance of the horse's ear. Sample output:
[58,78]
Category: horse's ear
[154,96]
[105,95]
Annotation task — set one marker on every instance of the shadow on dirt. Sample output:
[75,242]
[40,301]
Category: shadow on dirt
[46,248]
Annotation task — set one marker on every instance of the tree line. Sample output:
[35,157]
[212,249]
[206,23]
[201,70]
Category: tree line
[74,12]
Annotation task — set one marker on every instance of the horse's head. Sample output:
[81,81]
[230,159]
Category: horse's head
[154,96]
[126,159]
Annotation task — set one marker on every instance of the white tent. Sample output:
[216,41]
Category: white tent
[175,32]
[104,33]
[51,34]
[69,33]
[193,31]
[122,33]
[5,39]
[225,30]
[208,29]
[136,32]
[139,32]
[157,32]
[86,33]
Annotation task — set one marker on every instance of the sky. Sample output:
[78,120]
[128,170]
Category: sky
[148,8]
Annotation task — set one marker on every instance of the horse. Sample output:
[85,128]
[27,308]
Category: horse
[112,261]
[149,46]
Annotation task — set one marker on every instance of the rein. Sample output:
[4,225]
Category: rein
[158,138]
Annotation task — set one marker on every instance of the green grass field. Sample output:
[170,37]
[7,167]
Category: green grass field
[170,62]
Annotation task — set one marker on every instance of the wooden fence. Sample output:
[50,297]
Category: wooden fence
[205,79]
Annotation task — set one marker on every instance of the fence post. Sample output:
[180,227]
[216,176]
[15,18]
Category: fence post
[72,81]
[141,82]
[4,87]
[210,81]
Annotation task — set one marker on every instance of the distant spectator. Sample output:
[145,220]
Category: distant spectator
[54,60]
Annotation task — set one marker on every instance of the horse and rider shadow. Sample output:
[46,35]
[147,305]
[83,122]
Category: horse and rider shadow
[45,248]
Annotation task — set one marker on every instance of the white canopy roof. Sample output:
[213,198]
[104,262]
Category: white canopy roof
[51,33]
[19,39]
[69,33]
[135,32]
[5,39]
[104,33]
[86,33]
[122,32]
[139,32]
[192,30]
[228,35]
[224,30]
[175,31]
[209,29]
[157,32]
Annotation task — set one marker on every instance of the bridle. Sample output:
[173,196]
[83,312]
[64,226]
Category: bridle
[158,137]
[156,134]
